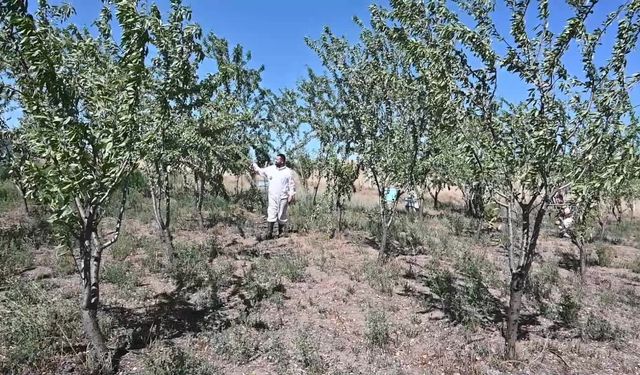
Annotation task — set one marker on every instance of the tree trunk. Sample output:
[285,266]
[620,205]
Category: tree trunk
[100,357]
[383,242]
[164,221]
[520,273]
[340,215]
[421,200]
[435,199]
[199,199]
[513,313]
[315,190]
[475,201]
[602,225]
[23,195]
[582,253]
[169,249]
[99,354]
[583,262]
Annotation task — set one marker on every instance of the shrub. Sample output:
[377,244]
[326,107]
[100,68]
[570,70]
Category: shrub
[15,254]
[191,266]
[307,352]
[9,196]
[381,277]
[35,325]
[173,360]
[635,265]
[605,255]
[465,300]
[238,343]
[121,274]
[308,217]
[541,283]
[569,309]
[290,265]
[377,331]
[600,329]
[253,200]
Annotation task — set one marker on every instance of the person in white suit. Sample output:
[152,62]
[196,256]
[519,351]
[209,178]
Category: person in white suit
[282,190]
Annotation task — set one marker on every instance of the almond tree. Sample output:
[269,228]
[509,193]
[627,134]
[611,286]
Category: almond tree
[80,95]
[532,139]
[610,135]
[169,103]
[227,118]
[391,103]
[324,110]
[527,144]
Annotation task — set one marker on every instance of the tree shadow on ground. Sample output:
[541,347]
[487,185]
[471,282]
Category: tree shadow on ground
[175,314]
[172,317]
[569,261]
[465,301]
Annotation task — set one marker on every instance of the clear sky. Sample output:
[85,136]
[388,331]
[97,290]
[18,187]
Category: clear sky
[274,31]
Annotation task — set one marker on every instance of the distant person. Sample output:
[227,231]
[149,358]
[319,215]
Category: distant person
[282,190]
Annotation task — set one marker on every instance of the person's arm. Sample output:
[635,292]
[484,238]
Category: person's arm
[258,170]
[292,188]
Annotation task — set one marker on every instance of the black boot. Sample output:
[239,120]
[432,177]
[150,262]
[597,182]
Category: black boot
[269,231]
[282,230]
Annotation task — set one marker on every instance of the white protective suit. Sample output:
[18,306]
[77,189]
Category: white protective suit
[281,187]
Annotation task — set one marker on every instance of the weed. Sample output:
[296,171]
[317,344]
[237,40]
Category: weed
[411,330]
[239,343]
[605,255]
[351,289]
[465,300]
[569,309]
[15,254]
[152,260]
[600,329]
[173,360]
[542,282]
[125,246]
[381,277]
[307,352]
[261,282]
[35,325]
[634,266]
[608,297]
[120,274]
[457,224]
[629,296]
[377,331]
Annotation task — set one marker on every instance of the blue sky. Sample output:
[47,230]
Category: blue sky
[274,31]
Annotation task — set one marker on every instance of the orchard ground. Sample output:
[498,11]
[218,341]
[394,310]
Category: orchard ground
[309,303]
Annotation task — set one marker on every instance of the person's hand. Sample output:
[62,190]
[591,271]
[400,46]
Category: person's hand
[291,199]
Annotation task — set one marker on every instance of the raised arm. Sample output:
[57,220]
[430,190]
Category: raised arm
[292,188]
[258,170]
